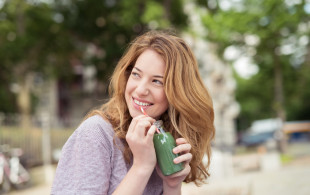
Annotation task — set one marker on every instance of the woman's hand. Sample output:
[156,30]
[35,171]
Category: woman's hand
[140,140]
[174,181]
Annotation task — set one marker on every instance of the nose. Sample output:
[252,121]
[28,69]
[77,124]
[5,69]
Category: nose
[142,89]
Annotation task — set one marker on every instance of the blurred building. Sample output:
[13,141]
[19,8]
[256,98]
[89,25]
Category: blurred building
[66,103]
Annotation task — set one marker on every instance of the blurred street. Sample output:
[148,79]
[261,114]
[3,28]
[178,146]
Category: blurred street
[290,178]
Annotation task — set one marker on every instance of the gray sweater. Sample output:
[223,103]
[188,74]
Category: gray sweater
[91,163]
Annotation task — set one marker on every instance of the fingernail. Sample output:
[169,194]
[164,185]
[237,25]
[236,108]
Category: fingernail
[175,150]
[176,160]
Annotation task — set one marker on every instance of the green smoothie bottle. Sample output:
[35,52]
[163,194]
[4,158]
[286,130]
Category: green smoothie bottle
[164,144]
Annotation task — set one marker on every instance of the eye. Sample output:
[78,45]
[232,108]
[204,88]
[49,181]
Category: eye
[158,82]
[135,74]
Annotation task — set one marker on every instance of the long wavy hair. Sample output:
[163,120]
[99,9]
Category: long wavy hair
[190,113]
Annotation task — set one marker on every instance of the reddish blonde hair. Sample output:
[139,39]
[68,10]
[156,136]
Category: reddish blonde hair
[190,114]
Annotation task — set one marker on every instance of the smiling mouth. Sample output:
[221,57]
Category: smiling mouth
[141,103]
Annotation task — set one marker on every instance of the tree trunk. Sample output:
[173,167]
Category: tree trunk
[24,102]
[167,6]
[278,89]
[24,79]
[279,101]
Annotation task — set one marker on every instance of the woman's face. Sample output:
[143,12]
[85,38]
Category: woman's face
[145,86]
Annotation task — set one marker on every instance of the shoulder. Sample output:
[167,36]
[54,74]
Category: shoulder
[87,159]
[95,129]
[98,123]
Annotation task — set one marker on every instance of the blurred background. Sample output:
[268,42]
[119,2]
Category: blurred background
[56,57]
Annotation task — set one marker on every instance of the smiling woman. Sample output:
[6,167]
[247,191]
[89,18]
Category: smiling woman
[145,86]
[112,151]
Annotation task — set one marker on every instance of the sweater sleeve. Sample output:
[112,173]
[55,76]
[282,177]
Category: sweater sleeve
[85,165]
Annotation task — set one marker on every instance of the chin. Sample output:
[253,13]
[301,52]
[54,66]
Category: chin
[134,113]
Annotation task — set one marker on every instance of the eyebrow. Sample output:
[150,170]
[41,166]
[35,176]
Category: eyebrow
[157,76]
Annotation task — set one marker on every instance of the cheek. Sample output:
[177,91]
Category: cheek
[129,87]
[164,101]
[127,93]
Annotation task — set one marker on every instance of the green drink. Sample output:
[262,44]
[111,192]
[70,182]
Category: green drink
[164,144]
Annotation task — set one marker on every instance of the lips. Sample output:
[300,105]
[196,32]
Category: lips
[143,103]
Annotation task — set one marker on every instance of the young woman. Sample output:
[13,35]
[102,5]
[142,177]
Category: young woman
[112,151]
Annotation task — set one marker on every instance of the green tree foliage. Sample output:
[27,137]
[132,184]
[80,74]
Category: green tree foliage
[280,30]
[30,41]
[107,26]
[53,37]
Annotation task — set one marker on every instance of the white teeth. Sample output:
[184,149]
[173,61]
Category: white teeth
[141,103]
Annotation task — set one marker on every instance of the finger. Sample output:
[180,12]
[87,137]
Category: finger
[141,127]
[183,158]
[181,141]
[142,117]
[134,122]
[150,119]
[183,148]
[183,173]
[150,133]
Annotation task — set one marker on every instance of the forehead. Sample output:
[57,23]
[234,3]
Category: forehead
[151,61]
